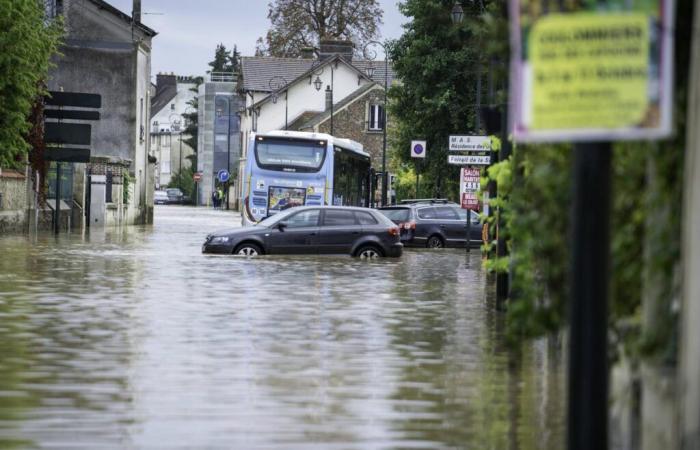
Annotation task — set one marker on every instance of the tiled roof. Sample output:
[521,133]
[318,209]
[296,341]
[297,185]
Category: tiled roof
[162,98]
[127,18]
[257,71]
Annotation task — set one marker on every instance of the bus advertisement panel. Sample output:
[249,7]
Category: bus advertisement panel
[291,168]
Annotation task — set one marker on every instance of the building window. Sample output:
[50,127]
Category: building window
[172,106]
[376,118]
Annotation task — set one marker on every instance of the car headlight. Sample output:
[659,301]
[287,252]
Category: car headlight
[219,240]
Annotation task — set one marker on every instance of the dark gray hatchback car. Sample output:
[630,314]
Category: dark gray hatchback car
[434,223]
[316,230]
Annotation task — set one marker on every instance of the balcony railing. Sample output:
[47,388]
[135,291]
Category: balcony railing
[222,76]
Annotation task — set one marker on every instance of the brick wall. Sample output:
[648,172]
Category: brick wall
[351,123]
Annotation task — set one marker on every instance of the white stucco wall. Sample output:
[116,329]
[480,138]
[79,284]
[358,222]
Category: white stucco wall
[180,102]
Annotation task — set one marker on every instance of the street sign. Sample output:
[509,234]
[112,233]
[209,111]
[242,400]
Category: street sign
[470,200]
[470,183]
[587,73]
[223,176]
[470,143]
[418,149]
[469,160]
[67,133]
[197,177]
[64,154]
[77,99]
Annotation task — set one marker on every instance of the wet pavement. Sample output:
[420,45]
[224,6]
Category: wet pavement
[134,339]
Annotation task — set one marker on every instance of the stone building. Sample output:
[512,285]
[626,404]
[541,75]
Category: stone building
[219,144]
[108,52]
[332,93]
[171,99]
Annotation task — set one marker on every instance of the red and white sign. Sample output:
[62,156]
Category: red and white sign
[470,183]
[197,176]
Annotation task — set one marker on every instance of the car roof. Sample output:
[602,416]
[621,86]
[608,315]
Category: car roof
[418,205]
[327,207]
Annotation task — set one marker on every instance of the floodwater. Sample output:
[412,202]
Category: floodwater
[134,339]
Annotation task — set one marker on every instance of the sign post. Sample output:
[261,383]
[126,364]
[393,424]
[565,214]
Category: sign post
[469,185]
[592,74]
[418,150]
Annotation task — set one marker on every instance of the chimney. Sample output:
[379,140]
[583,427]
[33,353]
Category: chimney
[332,47]
[136,13]
[163,80]
[307,53]
[329,98]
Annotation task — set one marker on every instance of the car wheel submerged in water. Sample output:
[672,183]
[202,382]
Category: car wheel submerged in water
[247,250]
[368,252]
[435,242]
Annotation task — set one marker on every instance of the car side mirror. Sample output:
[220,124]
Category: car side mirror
[281,226]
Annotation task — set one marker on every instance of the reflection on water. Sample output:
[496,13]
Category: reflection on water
[135,339]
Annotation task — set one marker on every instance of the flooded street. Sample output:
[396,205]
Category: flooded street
[134,339]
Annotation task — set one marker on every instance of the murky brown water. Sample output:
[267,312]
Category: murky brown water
[134,339]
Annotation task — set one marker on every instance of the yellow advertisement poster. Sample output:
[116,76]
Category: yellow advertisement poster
[590,74]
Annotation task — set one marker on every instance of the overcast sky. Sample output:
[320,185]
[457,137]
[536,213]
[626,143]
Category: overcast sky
[188,31]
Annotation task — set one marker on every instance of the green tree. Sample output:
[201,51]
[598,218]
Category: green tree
[28,40]
[297,24]
[436,61]
[225,61]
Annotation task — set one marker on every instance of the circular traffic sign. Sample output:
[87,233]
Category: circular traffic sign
[418,149]
[197,176]
[223,176]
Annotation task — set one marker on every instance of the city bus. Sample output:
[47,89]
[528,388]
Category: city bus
[294,168]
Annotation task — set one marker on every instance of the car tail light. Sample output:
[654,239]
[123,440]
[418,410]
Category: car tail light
[408,225]
[394,231]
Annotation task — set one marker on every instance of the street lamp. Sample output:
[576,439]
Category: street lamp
[457,13]
[317,69]
[276,84]
[371,55]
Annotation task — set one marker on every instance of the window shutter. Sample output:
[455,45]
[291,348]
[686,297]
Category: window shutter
[382,117]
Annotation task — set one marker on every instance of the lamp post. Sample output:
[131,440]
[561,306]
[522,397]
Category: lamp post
[276,84]
[371,55]
[318,84]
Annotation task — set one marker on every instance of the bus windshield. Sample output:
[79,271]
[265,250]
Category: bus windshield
[290,155]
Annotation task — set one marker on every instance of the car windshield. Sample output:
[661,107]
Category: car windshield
[396,214]
[174,191]
[271,220]
[290,155]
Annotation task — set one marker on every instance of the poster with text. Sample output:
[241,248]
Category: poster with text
[282,198]
[594,72]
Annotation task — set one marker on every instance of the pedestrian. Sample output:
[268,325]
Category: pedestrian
[215,199]
[220,195]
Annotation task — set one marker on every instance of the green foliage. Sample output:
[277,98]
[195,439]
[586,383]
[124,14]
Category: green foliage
[27,41]
[184,180]
[225,61]
[126,183]
[438,64]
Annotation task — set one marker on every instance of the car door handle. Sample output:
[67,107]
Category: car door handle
[355,232]
[312,234]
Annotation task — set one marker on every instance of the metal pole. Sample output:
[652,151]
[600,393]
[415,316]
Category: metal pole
[286,109]
[588,370]
[180,168]
[469,230]
[57,212]
[228,149]
[478,103]
[332,87]
[386,86]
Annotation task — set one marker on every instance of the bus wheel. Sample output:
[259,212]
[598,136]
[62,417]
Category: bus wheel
[247,249]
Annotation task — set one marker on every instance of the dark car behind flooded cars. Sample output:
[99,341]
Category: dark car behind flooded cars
[314,230]
[434,223]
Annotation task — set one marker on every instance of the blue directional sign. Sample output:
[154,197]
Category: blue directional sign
[223,176]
